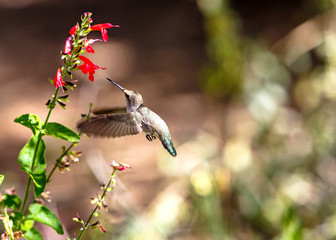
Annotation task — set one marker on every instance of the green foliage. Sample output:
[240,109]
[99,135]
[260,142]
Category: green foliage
[12,201]
[291,229]
[27,224]
[207,206]
[27,155]
[31,121]
[222,75]
[33,153]
[2,177]
[32,234]
[40,181]
[59,131]
[43,215]
[12,220]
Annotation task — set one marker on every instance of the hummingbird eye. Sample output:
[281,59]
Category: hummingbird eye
[127,96]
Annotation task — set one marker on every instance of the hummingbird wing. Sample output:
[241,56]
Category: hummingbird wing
[114,125]
[108,110]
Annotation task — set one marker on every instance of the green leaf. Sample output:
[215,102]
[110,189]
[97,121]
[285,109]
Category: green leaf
[26,156]
[27,224]
[40,181]
[17,219]
[291,226]
[43,215]
[59,131]
[12,201]
[1,178]
[31,121]
[27,153]
[32,234]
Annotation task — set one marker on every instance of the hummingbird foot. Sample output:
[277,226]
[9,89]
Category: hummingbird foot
[149,138]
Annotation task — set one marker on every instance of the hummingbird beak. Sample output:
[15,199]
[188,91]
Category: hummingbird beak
[121,88]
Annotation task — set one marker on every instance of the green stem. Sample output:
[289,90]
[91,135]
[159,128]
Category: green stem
[97,206]
[39,138]
[26,194]
[51,107]
[7,223]
[53,104]
[30,179]
[58,161]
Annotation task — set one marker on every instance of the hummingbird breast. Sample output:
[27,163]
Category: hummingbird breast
[153,125]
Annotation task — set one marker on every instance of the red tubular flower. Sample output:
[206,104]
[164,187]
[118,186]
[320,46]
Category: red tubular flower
[89,49]
[88,43]
[88,67]
[102,28]
[58,79]
[119,166]
[67,46]
[102,228]
[73,29]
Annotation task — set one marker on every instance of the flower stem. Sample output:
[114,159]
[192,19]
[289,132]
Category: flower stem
[58,161]
[97,206]
[31,169]
[26,194]
[7,223]
[39,137]
[52,106]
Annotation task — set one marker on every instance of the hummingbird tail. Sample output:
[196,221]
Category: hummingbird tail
[168,144]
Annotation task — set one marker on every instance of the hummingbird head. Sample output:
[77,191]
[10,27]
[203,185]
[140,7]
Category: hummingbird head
[133,98]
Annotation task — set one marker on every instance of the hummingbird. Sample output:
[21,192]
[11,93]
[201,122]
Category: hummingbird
[135,118]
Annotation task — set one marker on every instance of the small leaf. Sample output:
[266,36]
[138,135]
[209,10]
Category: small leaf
[27,224]
[40,181]
[31,121]
[1,178]
[32,234]
[27,153]
[17,218]
[59,131]
[12,201]
[44,215]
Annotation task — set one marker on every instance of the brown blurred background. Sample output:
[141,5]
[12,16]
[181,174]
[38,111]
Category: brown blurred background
[246,88]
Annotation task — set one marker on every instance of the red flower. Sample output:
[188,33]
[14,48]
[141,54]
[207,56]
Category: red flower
[73,29]
[102,29]
[88,67]
[119,166]
[58,79]
[88,47]
[67,46]
[102,228]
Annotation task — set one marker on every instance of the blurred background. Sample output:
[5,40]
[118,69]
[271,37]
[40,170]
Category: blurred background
[247,89]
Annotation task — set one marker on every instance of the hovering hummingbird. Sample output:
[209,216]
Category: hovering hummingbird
[135,118]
